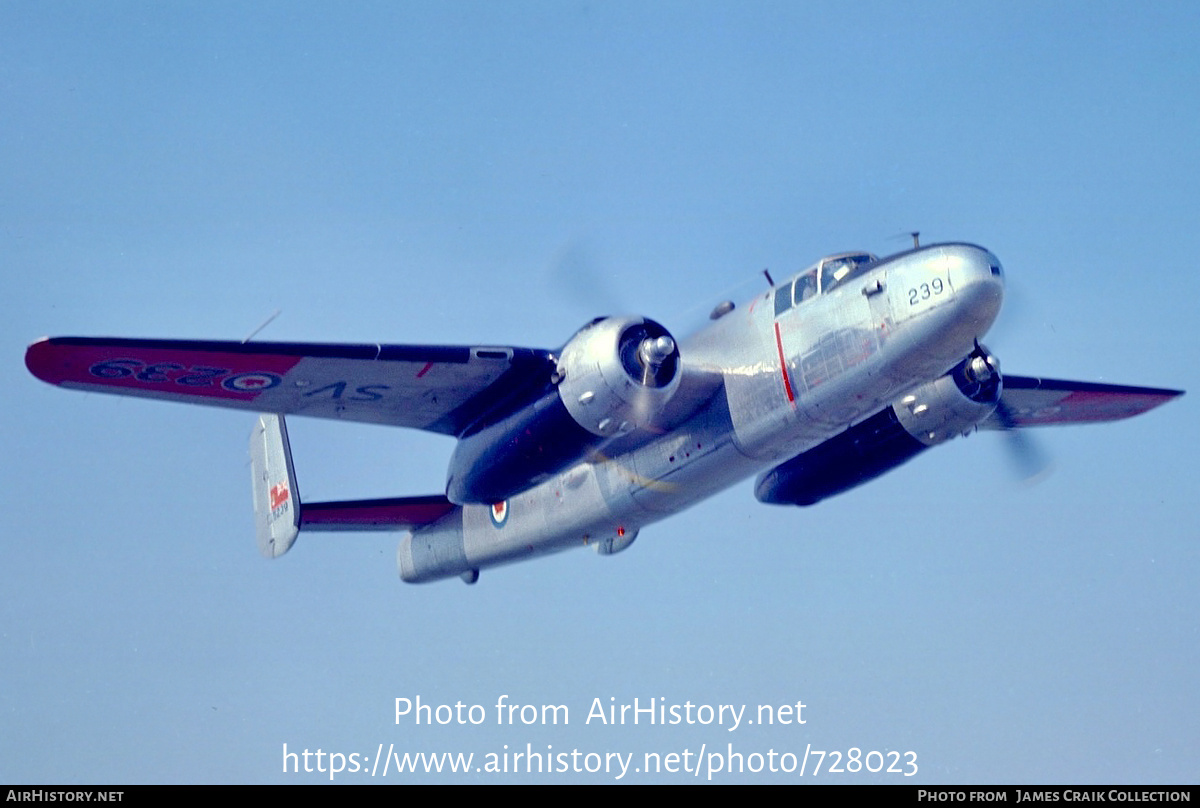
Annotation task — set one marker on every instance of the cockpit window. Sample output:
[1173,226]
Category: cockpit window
[783,299]
[839,268]
[806,287]
[827,274]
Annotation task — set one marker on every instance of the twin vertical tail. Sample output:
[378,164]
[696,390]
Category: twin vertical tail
[276,496]
[279,515]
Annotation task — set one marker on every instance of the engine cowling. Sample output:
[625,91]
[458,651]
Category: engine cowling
[617,374]
[931,414]
[613,377]
[953,404]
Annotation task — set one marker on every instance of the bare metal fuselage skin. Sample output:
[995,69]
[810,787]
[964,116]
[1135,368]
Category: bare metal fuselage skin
[793,374]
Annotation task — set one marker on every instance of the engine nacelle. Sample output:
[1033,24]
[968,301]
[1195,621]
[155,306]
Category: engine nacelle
[933,413]
[613,377]
[616,374]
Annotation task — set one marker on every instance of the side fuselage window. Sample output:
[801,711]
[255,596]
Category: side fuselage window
[783,298]
[806,287]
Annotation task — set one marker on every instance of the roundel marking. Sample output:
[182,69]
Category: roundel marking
[254,382]
[499,513]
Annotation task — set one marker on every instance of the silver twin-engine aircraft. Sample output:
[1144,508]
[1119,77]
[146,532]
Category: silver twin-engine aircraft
[817,385]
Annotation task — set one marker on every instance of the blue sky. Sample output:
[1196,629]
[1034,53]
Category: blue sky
[418,173]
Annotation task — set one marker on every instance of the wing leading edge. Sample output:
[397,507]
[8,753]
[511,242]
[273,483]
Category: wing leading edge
[1028,401]
[436,388]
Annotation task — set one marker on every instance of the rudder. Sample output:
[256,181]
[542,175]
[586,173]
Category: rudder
[276,496]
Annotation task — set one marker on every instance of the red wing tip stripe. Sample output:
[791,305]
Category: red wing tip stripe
[1086,405]
[157,372]
[40,359]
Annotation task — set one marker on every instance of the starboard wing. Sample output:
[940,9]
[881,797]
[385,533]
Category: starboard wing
[437,388]
[1028,401]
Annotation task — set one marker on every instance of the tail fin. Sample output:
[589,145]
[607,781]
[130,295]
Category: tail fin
[278,514]
[276,497]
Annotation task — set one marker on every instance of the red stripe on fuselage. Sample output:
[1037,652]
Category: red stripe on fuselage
[787,381]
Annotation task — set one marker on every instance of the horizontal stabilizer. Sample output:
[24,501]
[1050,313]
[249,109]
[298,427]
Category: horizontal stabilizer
[394,513]
[1028,401]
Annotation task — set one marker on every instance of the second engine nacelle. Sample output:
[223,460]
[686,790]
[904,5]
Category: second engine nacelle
[953,404]
[934,412]
[613,377]
[616,374]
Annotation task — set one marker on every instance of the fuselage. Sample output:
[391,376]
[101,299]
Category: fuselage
[797,365]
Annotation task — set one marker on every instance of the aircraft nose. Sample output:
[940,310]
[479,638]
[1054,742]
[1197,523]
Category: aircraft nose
[978,280]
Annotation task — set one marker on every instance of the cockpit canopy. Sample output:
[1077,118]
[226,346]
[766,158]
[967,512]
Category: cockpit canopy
[822,277]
